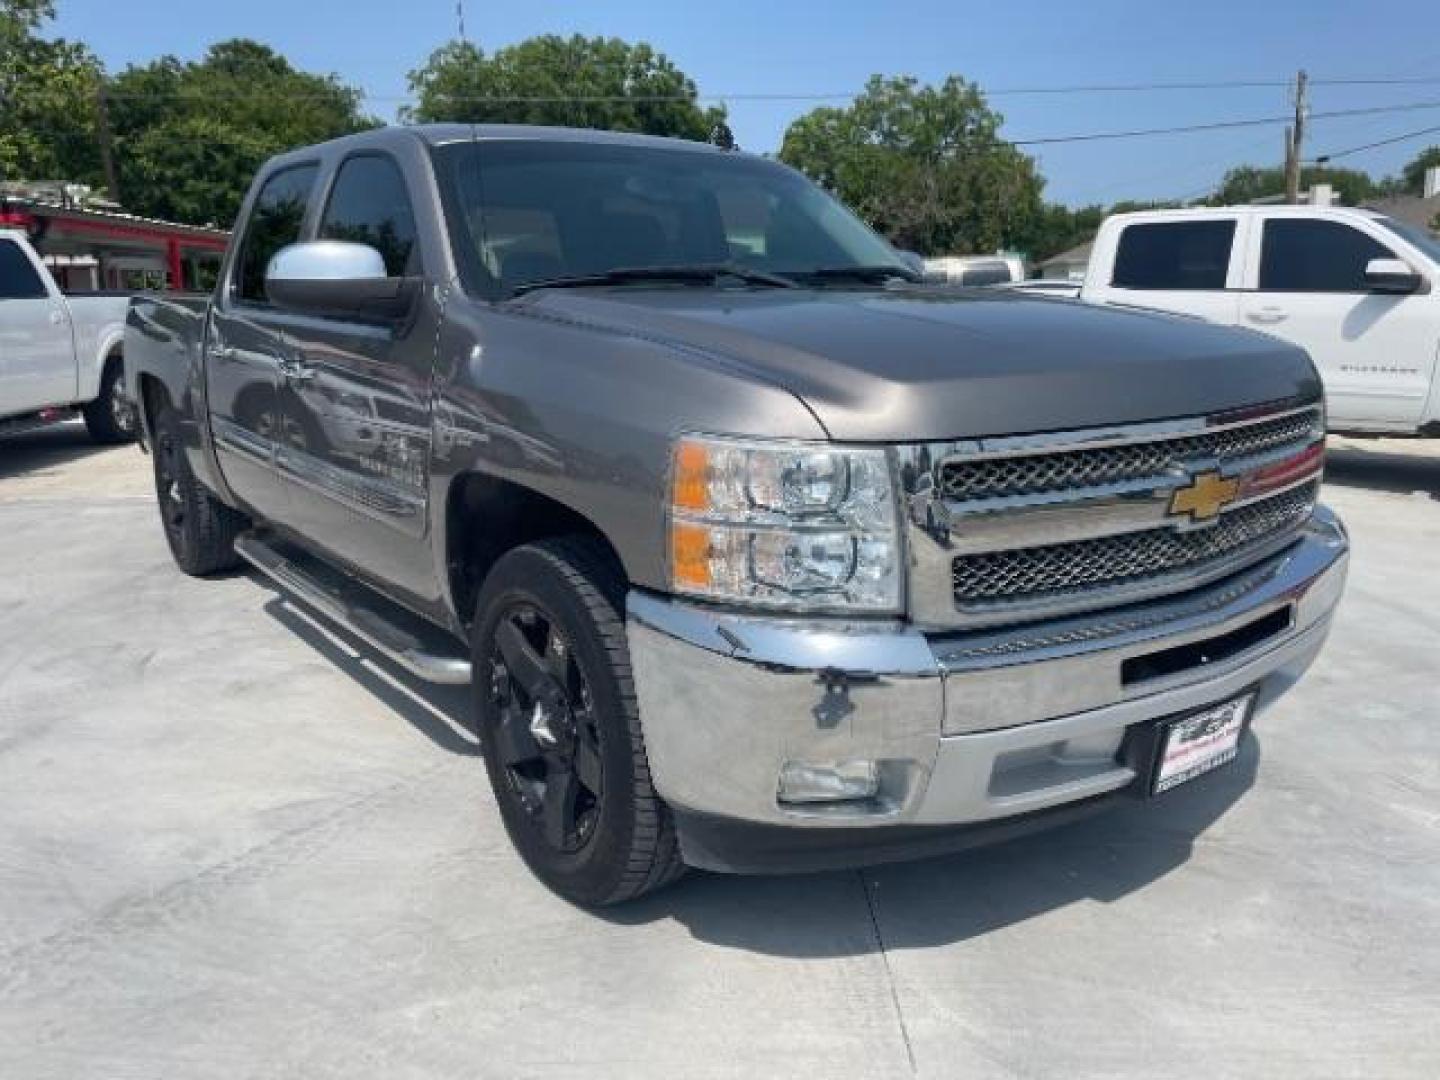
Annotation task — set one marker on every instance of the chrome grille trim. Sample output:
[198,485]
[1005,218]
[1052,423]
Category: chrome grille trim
[997,647]
[1104,502]
[968,477]
[1053,571]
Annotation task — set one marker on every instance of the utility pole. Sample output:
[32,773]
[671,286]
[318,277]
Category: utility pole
[1294,138]
[102,132]
[460,17]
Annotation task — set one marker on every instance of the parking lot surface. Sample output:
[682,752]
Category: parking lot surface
[232,845]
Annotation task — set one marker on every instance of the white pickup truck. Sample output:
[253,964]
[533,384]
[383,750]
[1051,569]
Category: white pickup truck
[58,353]
[1354,288]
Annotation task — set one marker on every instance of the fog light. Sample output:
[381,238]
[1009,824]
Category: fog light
[828,781]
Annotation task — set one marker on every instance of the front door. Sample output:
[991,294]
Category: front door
[1375,352]
[246,343]
[354,446]
[37,352]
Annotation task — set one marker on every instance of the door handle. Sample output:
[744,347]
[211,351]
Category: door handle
[296,372]
[1268,315]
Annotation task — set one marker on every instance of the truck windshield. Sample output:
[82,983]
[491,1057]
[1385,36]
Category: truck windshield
[523,212]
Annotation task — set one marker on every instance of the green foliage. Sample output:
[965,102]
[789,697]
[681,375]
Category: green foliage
[924,165]
[1246,183]
[545,80]
[1412,177]
[48,100]
[189,136]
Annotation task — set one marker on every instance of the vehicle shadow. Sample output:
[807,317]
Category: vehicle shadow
[853,913]
[46,448]
[440,713]
[953,898]
[1383,469]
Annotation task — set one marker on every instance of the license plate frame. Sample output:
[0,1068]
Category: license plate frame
[1200,741]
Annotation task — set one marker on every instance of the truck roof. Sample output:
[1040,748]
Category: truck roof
[441,134]
[1246,209]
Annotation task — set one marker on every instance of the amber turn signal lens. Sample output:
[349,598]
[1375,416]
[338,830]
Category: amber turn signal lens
[690,554]
[692,477]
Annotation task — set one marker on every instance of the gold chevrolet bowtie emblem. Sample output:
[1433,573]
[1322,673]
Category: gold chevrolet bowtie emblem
[1204,496]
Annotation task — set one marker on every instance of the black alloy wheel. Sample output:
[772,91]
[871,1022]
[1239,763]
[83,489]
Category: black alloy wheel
[559,723]
[547,736]
[199,529]
[170,478]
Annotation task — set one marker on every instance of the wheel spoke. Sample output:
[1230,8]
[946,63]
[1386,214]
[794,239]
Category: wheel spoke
[514,741]
[558,811]
[557,659]
[524,663]
[587,763]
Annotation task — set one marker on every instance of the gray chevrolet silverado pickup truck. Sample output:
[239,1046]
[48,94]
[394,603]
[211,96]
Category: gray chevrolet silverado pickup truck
[757,553]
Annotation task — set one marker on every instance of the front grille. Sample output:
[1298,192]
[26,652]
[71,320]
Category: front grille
[1035,474]
[1054,570]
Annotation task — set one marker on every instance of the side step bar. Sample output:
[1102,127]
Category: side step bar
[425,652]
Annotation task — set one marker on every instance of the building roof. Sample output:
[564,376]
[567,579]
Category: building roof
[1410,208]
[20,211]
[1080,253]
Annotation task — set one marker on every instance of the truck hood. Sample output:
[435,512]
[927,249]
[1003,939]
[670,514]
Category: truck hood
[917,364]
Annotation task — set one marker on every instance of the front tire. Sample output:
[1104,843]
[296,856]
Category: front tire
[111,418]
[199,528]
[560,726]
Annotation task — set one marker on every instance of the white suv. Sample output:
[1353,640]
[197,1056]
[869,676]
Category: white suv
[1356,289]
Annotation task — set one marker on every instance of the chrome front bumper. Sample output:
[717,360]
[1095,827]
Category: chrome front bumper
[969,727]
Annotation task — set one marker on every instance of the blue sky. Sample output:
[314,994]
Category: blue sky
[803,47]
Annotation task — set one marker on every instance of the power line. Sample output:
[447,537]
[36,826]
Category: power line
[1324,158]
[1048,140]
[1222,125]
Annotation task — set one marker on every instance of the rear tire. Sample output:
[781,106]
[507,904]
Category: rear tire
[111,418]
[560,725]
[199,528]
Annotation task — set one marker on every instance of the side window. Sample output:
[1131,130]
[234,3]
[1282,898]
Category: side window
[1174,255]
[18,279]
[1306,255]
[370,205]
[274,222]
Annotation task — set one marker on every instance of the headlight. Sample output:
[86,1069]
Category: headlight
[804,526]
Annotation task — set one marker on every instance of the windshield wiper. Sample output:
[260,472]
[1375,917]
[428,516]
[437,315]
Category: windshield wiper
[708,273]
[870,275]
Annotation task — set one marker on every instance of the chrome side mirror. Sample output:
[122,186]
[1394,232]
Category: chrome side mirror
[1392,276]
[339,279]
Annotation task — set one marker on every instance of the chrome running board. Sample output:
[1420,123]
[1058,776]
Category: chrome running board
[426,652]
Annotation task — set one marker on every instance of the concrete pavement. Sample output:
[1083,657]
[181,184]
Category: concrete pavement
[231,845]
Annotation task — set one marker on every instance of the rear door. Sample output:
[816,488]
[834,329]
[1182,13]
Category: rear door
[354,448]
[37,348]
[1376,352]
[1190,266]
[245,345]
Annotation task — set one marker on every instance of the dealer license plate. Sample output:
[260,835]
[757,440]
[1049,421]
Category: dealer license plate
[1194,745]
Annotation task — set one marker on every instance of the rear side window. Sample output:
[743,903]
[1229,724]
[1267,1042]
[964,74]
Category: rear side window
[369,204]
[1174,255]
[274,222]
[1316,256]
[18,279]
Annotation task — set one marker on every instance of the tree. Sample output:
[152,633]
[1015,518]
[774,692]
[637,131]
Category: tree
[189,136]
[576,81]
[1246,183]
[48,99]
[924,165]
[1412,177]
